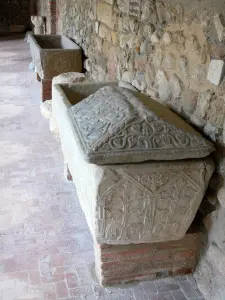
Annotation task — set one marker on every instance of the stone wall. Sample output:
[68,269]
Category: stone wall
[165,49]
[14,15]
[47,9]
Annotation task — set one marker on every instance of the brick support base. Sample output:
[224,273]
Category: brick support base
[126,263]
[46,89]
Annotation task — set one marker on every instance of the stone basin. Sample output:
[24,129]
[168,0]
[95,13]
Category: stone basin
[53,55]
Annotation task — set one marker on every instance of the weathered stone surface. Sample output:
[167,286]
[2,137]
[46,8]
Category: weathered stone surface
[210,283]
[211,131]
[64,78]
[216,71]
[221,196]
[204,99]
[220,27]
[104,32]
[189,100]
[112,139]
[198,122]
[115,190]
[69,78]
[105,13]
[217,257]
[53,55]
[164,88]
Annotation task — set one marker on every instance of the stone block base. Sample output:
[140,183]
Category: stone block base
[46,89]
[126,263]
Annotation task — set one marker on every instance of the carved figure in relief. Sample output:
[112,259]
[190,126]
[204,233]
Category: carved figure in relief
[150,205]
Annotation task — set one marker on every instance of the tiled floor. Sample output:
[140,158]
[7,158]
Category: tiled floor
[45,245]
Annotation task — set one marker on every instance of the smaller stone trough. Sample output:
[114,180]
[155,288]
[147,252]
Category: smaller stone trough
[53,55]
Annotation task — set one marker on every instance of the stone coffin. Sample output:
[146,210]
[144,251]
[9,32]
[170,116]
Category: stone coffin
[54,54]
[130,203]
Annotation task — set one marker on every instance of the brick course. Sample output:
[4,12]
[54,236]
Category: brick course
[46,89]
[125,263]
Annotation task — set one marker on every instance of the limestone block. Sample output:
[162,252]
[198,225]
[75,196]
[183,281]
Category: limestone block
[210,282]
[148,12]
[164,88]
[114,37]
[204,99]
[134,203]
[215,71]
[183,65]
[175,86]
[111,2]
[69,78]
[220,27]
[217,51]
[189,100]
[105,14]
[96,27]
[167,38]
[211,131]
[156,37]
[104,32]
[217,257]
[134,25]
[221,196]
[198,122]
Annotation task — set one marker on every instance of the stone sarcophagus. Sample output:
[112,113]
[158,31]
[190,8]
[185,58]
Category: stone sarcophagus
[140,171]
[53,55]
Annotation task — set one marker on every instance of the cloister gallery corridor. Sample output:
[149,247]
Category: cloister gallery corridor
[46,250]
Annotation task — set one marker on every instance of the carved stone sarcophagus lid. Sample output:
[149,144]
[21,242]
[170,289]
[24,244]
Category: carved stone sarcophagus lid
[115,125]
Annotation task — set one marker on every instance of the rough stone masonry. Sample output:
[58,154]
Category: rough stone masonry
[173,51]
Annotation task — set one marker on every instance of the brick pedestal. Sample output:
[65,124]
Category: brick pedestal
[46,89]
[126,263]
